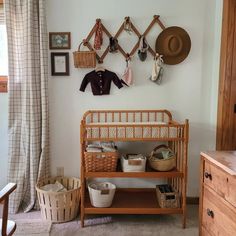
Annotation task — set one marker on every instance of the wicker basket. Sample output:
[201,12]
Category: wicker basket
[84,59]
[168,199]
[100,161]
[101,194]
[162,164]
[59,207]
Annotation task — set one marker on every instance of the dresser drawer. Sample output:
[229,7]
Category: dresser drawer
[205,232]
[218,216]
[223,183]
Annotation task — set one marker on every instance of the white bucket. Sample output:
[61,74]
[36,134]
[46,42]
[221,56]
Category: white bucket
[101,194]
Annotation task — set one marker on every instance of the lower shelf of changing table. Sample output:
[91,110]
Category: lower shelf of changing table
[131,201]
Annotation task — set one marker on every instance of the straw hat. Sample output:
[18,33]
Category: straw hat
[174,44]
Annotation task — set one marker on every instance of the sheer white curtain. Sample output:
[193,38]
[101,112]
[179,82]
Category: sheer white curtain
[28,99]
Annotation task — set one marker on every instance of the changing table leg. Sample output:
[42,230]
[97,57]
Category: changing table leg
[184,219]
[83,182]
[82,202]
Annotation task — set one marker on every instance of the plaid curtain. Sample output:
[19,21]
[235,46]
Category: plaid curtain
[28,99]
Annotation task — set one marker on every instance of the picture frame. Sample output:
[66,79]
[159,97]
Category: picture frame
[60,64]
[59,40]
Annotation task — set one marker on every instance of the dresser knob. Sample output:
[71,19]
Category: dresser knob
[210,213]
[207,175]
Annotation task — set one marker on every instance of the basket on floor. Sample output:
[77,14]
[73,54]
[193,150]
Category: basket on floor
[59,207]
[100,161]
[159,162]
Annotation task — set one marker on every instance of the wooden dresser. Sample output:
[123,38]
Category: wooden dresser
[217,210]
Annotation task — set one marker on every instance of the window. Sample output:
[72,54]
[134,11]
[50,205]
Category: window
[3,51]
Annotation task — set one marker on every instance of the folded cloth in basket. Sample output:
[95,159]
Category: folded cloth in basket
[94,145]
[56,187]
[108,146]
[135,157]
[109,149]
[89,149]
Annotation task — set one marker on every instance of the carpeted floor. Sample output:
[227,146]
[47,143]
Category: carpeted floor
[30,224]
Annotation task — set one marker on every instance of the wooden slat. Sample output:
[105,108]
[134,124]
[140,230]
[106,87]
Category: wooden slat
[153,174]
[166,112]
[7,190]
[150,25]
[106,31]
[132,201]
[160,23]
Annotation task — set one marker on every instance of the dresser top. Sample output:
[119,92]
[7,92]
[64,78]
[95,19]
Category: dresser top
[224,159]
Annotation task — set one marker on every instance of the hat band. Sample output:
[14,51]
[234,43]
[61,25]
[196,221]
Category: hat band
[174,45]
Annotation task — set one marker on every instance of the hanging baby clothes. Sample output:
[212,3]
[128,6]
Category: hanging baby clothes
[98,39]
[143,48]
[157,70]
[127,77]
[100,82]
[113,45]
[127,25]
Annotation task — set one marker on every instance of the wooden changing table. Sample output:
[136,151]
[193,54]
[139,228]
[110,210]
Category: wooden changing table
[135,125]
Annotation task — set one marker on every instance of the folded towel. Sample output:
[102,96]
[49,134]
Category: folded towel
[57,187]
[93,149]
[94,145]
[135,157]
[109,149]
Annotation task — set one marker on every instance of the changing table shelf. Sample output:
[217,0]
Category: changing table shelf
[132,201]
[149,174]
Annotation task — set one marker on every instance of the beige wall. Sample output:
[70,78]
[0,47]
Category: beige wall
[189,90]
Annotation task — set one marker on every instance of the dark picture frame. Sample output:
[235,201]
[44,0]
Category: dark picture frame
[60,63]
[60,40]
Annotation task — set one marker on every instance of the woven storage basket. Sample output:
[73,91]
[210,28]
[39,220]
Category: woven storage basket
[59,207]
[100,161]
[84,59]
[167,199]
[101,194]
[136,164]
[161,164]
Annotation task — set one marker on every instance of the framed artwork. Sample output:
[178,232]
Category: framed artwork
[60,63]
[59,40]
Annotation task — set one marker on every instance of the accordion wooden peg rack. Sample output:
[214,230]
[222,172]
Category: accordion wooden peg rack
[156,19]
